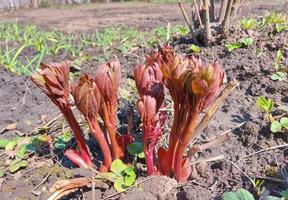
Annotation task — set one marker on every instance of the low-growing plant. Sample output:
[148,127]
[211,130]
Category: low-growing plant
[195,49]
[121,174]
[245,42]
[18,149]
[280,70]
[248,24]
[267,105]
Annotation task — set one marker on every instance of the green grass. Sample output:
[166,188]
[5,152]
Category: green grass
[23,47]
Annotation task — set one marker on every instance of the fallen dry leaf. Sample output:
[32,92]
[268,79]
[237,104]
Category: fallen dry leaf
[63,187]
[9,127]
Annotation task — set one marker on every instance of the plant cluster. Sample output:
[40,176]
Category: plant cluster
[18,148]
[278,123]
[192,84]
[277,20]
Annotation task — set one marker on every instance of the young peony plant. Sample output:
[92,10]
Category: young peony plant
[149,82]
[53,80]
[192,86]
[93,98]
[88,99]
[107,79]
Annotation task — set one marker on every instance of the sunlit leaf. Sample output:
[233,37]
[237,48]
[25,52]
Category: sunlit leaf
[22,151]
[195,49]
[11,145]
[117,166]
[247,41]
[232,46]
[279,76]
[119,185]
[276,127]
[3,143]
[16,165]
[284,122]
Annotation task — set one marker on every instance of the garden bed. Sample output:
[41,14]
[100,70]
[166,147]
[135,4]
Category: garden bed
[245,155]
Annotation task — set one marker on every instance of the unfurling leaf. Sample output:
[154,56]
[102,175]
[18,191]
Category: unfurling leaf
[264,104]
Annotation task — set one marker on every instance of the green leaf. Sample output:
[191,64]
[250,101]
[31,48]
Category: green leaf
[141,155]
[279,76]
[59,145]
[195,49]
[240,194]
[22,151]
[264,104]
[129,170]
[280,27]
[284,122]
[11,145]
[117,166]
[232,46]
[66,137]
[135,148]
[31,148]
[119,185]
[3,143]
[247,41]
[129,179]
[248,24]
[276,127]
[15,167]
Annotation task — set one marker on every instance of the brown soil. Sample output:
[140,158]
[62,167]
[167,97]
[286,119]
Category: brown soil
[22,103]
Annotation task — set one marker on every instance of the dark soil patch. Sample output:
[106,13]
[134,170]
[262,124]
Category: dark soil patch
[22,103]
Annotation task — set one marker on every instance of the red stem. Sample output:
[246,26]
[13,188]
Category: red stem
[109,121]
[184,141]
[99,136]
[149,158]
[70,118]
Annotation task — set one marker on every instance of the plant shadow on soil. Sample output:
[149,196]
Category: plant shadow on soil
[26,105]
